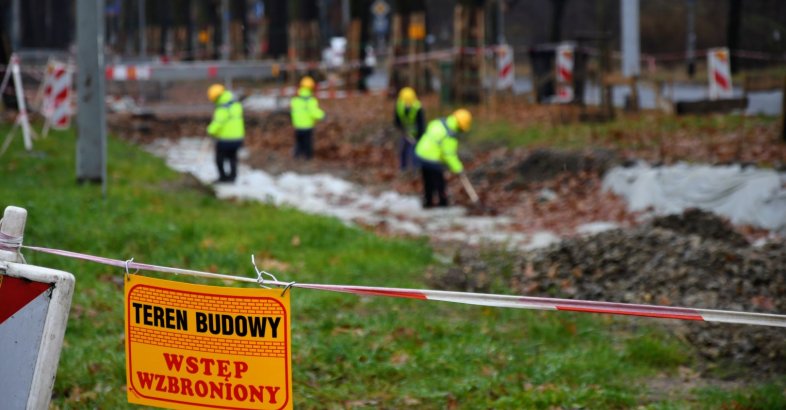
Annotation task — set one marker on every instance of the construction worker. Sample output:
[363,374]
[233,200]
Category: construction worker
[305,113]
[228,129]
[437,151]
[410,119]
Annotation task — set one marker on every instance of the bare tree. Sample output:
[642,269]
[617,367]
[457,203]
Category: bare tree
[557,13]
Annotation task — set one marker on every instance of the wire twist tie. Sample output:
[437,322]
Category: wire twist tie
[260,279]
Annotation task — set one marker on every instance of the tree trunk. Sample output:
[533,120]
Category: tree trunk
[733,31]
[276,11]
[557,12]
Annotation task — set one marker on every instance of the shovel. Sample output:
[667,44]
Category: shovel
[478,207]
[473,196]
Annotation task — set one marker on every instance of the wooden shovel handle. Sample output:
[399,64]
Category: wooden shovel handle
[473,196]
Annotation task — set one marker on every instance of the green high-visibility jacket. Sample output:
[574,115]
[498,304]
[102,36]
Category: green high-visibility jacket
[305,111]
[408,117]
[227,123]
[439,144]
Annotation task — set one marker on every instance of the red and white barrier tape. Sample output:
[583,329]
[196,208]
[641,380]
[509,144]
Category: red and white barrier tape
[479,299]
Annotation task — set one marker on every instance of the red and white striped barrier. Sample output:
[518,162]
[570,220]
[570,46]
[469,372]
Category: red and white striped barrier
[505,68]
[479,299]
[719,73]
[564,73]
[56,104]
[123,72]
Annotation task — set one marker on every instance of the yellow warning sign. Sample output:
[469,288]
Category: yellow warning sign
[193,346]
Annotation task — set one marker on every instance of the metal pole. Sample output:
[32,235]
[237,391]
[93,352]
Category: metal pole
[345,17]
[225,47]
[630,38]
[690,49]
[783,111]
[142,29]
[91,115]
[16,29]
[500,22]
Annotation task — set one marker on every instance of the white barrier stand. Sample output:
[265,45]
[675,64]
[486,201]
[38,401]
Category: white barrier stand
[33,318]
[505,68]
[719,73]
[21,119]
[56,104]
[564,73]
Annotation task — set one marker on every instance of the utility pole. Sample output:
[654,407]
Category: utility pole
[91,115]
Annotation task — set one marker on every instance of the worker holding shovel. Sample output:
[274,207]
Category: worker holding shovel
[437,151]
[410,120]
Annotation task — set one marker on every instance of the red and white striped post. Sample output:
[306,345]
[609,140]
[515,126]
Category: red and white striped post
[564,73]
[719,73]
[505,68]
[57,96]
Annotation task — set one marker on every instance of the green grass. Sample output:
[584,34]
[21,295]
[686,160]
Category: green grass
[637,132]
[348,351]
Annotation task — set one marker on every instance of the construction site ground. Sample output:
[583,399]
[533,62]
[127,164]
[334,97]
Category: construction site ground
[554,184]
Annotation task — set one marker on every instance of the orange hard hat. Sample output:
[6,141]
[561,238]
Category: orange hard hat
[407,95]
[307,82]
[464,119]
[214,91]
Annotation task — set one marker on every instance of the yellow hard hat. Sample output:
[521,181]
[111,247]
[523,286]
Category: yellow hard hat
[464,119]
[307,82]
[407,95]
[214,91]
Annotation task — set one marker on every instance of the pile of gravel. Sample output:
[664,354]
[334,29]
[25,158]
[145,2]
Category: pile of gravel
[694,260]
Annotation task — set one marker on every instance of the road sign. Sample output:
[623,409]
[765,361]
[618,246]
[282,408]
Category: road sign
[194,346]
[380,8]
[34,305]
[380,24]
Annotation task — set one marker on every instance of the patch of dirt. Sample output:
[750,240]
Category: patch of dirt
[650,264]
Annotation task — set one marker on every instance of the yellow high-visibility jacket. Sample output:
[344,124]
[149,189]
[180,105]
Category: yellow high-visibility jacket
[439,144]
[305,111]
[408,118]
[227,123]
